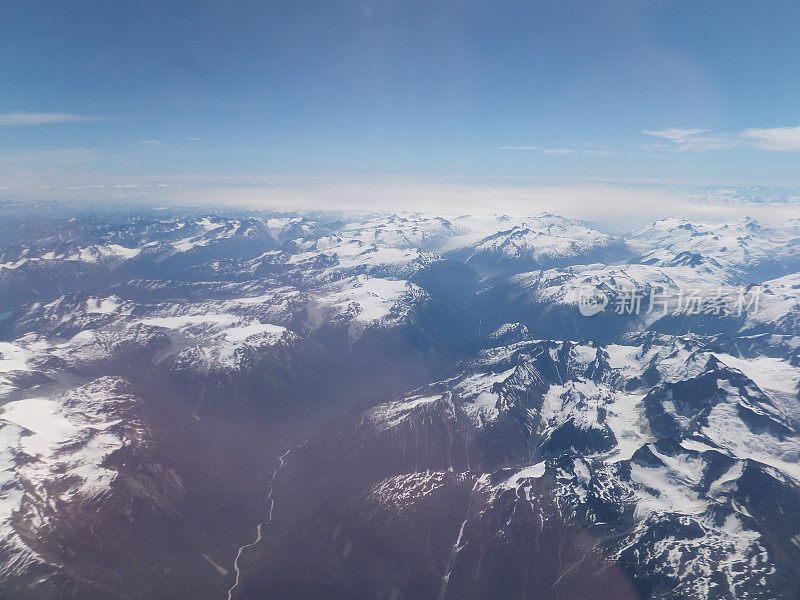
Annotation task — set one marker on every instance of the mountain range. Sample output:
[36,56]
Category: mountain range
[397,406]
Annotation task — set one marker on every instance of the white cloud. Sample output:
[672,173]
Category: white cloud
[30,118]
[557,151]
[53,158]
[612,207]
[699,140]
[776,139]
[538,149]
[675,134]
[598,152]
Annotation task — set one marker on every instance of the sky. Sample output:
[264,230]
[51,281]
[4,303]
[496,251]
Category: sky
[140,99]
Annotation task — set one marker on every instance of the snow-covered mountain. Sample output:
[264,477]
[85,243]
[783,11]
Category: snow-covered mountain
[542,241]
[653,453]
[398,406]
[745,250]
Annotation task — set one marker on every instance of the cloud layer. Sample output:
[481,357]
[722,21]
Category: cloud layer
[557,151]
[775,139]
[609,206]
[33,118]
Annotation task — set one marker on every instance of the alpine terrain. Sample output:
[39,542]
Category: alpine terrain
[250,405]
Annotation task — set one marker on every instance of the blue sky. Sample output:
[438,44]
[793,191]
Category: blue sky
[695,93]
